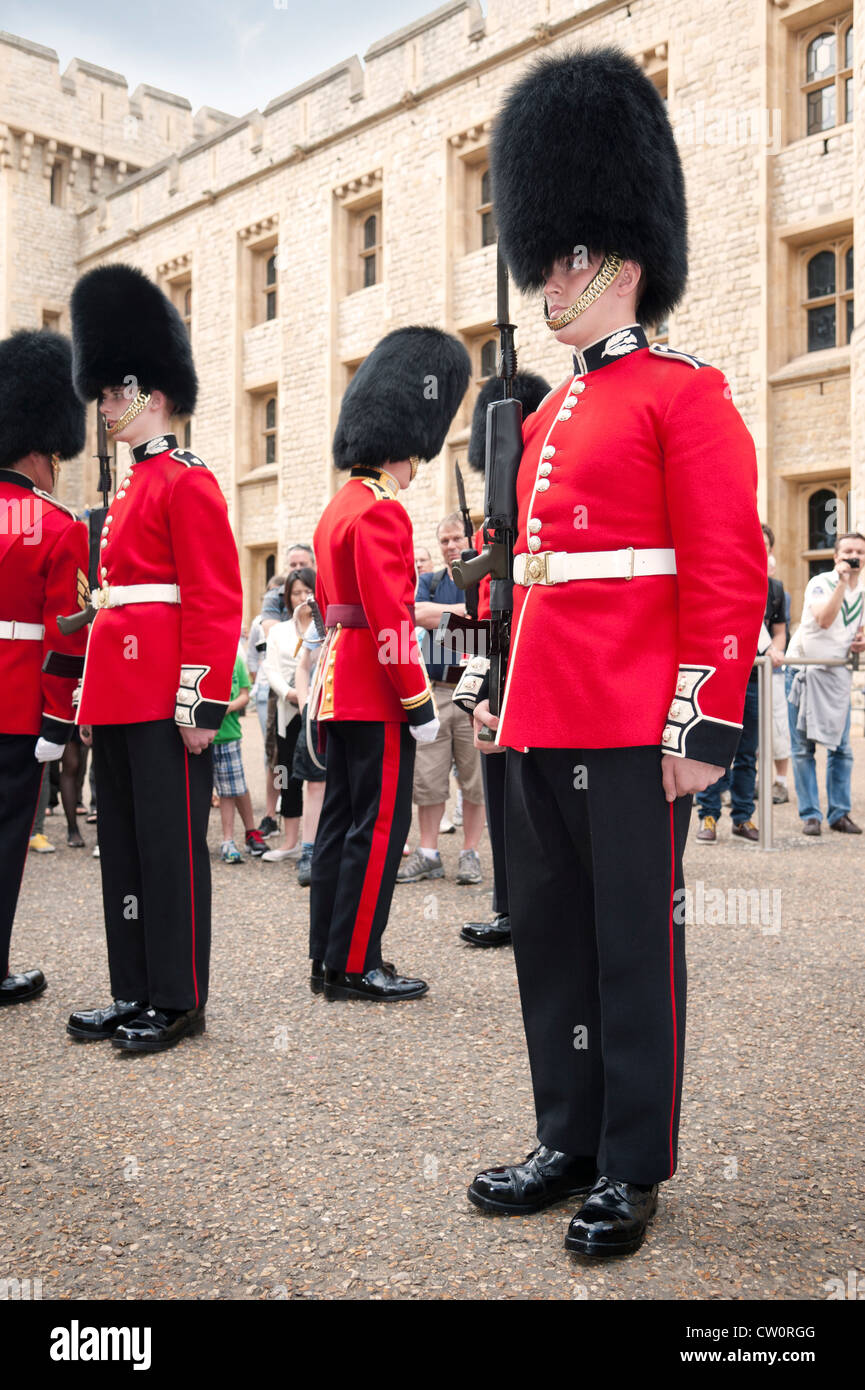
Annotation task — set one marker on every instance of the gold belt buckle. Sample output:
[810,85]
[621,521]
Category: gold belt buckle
[538,568]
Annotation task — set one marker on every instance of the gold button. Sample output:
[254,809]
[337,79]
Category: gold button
[674,709]
[680,686]
[666,735]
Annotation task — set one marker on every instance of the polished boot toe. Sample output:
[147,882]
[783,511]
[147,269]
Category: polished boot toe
[613,1219]
[381,983]
[316,976]
[158,1029]
[92,1024]
[494,933]
[16,988]
[544,1177]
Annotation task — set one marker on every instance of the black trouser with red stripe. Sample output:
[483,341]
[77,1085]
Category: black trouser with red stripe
[594,859]
[20,780]
[364,823]
[152,807]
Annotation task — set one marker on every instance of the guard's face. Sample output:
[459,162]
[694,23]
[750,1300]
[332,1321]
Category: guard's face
[113,402]
[563,286]
[452,540]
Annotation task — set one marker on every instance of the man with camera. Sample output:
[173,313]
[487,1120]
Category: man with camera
[819,696]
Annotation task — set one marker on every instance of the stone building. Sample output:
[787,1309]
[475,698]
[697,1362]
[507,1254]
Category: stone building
[293,237]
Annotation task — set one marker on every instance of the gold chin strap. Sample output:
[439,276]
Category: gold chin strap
[134,408]
[414,460]
[609,269]
[55,469]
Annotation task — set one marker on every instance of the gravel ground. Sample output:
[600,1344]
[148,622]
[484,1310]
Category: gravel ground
[301,1149]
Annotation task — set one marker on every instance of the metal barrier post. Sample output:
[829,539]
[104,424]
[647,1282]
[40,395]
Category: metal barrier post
[766,765]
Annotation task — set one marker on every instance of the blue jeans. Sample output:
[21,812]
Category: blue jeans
[742,775]
[839,767]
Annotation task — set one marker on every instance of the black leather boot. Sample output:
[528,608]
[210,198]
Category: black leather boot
[90,1025]
[382,984]
[494,933]
[316,976]
[16,988]
[158,1029]
[545,1177]
[613,1219]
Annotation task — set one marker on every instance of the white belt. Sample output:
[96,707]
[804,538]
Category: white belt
[557,566]
[116,595]
[29,632]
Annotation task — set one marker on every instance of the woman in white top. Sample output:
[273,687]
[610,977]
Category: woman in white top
[280,664]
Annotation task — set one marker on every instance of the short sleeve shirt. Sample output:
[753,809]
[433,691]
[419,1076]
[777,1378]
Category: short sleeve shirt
[229,729]
[813,640]
[445,591]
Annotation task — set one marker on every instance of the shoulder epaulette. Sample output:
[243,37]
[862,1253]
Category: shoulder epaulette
[662,350]
[47,497]
[381,492]
[188,458]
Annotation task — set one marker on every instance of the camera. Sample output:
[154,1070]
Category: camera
[853,562]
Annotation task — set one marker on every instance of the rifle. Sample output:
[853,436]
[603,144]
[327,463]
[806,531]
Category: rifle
[86,614]
[470,552]
[504,447]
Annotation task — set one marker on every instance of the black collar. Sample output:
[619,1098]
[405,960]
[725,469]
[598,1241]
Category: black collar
[160,444]
[609,349]
[10,475]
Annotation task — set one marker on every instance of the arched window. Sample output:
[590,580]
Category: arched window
[485,209]
[270,430]
[489,354]
[187,305]
[828,75]
[270,286]
[828,299]
[822,519]
[369,249]
[56,186]
[269,568]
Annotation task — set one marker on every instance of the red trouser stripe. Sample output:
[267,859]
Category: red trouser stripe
[673,980]
[191,874]
[378,849]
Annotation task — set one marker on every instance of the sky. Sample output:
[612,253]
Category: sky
[234,55]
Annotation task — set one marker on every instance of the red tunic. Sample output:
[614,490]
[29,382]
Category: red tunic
[43,573]
[168,524]
[646,451]
[364,550]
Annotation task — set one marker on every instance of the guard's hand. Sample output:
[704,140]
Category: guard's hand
[47,752]
[684,776]
[482,719]
[425,733]
[196,740]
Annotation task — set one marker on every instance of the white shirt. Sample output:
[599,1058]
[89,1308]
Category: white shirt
[831,642]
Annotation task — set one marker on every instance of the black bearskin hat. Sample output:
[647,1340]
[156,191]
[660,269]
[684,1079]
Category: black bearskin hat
[526,387]
[583,154]
[124,327]
[39,410]
[402,399]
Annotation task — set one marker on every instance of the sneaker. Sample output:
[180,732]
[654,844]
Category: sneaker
[268,827]
[779,794]
[304,870]
[95,854]
[470,867]
[231,854]
[255,843]
[41,844]
[419,866]
[446,827]
[708,830]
